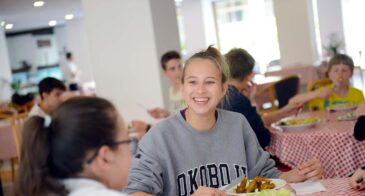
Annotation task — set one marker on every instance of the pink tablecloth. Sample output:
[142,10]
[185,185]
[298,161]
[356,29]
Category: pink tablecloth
[331,141]
[307,73]
[338,187]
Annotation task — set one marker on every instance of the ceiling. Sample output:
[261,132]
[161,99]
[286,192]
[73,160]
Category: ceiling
[24,16]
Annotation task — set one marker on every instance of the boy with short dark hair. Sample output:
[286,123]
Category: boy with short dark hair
[50,91]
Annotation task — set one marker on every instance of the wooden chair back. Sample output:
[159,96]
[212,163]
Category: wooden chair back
[8,149]
[280,92]
[17,125]
[316,84]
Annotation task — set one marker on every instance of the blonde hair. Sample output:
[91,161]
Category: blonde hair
[213,55]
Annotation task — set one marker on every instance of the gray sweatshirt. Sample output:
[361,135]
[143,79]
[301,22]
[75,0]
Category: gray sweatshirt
[175,159]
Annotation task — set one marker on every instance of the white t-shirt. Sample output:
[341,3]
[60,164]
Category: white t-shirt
[70,72]
[85,186]
[176,101]
[37,111]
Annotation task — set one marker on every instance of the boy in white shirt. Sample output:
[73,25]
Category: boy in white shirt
[50,91]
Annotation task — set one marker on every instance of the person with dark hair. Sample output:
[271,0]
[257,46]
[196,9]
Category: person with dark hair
[340,71]
[71,72]
[237,99]
[171,66]
[81,149]
[50,90]
[201,148]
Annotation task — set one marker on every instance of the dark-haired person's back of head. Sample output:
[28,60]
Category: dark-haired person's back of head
[69,56]
[50,91]
[82,148]
[241,65]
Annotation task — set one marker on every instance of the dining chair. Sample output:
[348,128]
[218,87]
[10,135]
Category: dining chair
[280,92]
[8,149]
[17,125]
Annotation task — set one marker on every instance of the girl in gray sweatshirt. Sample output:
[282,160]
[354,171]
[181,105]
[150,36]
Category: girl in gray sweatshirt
[202,148]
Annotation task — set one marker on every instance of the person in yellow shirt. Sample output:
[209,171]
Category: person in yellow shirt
[340,71]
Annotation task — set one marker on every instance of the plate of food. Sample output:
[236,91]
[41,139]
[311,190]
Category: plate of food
[348,116]
[342,107]
[258,184]
[296,124]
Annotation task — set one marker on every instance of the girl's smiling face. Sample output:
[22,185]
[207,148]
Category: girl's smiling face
[202,87]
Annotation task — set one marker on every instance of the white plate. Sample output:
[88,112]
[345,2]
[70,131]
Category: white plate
[342,107]
[295,127]
[279,183]
[348,116]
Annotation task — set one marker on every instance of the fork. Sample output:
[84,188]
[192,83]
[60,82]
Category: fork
[337,85]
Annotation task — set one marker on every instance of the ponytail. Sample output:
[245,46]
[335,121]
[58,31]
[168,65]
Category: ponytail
[56,148]
[216,57]
[34,169]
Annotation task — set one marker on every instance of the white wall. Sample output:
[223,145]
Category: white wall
[24,47]
[295,31]
[125,51]
[21,47]
[60,34]
[5,70]
[198,24]
[46,55]
[78,44]
[330,19]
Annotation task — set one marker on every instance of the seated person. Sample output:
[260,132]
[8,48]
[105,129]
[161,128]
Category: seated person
[359,129]
[50,90]
[171,66]
[201,148]
[340,70]
[81,149]
[241,65]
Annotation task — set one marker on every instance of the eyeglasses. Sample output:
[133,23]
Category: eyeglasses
[132,142]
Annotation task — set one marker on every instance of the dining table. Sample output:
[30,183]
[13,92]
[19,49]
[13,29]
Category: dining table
[337,187]
[330,140]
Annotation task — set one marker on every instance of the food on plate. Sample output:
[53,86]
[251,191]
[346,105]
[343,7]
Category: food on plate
[281,192]
[343,106]
[348,116]
[259,182]
[298,121]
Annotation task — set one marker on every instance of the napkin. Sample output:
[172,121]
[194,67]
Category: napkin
[307,187]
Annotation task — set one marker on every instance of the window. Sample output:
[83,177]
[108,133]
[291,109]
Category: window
[248,24]
[353,18]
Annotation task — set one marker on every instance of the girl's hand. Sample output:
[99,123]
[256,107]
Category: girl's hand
[207,191]
[309,170]
[158,113]
[357,181]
